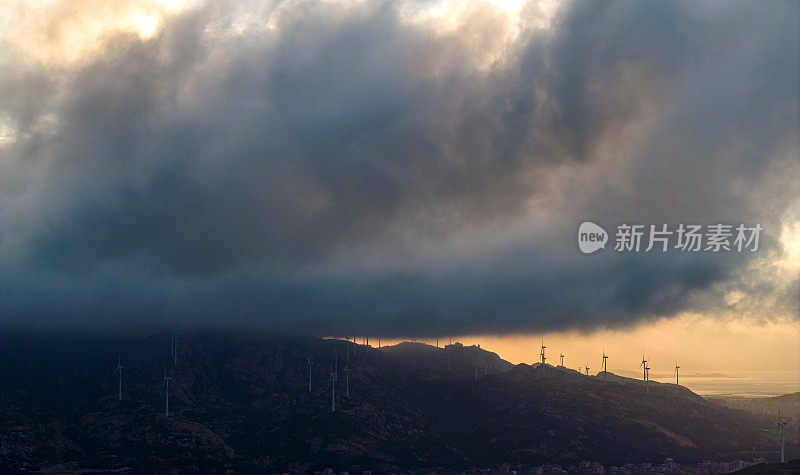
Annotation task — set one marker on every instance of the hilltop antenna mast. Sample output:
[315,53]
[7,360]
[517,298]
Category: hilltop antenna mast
[605,365]
[119,370]
[676,374]
[164,385]
[542,355]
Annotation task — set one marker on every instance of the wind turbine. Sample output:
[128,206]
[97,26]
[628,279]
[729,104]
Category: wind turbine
[164,385]
[347,379]
[309,374]
[333,389]
[587,369]
[542,355]
[449,349]
[643,365]
[781,426]
[119,370]
[476,363]
[174,348]
[647,378]
[562,356]
[676,374]
[605,365]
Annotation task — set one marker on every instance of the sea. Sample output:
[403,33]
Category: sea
[746,384]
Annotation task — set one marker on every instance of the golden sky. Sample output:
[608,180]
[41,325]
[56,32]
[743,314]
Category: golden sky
[698,344]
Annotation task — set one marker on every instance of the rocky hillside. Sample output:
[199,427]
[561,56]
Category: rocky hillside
[243,403]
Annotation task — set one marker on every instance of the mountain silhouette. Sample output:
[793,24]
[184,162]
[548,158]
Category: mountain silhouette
[242,403]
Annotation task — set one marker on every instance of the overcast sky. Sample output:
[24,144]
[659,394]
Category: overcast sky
[397,168]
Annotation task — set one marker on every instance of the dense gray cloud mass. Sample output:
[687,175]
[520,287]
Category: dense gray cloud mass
[349,170]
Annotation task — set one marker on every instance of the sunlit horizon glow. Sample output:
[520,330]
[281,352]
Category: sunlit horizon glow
[696,343]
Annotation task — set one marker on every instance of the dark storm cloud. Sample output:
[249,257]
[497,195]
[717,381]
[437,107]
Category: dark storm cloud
[216,176]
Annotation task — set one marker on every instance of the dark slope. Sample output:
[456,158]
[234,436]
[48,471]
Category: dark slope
[242,403]
[534,417]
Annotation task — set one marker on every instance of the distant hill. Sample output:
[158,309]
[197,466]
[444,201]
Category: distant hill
[455,360]
[242,403]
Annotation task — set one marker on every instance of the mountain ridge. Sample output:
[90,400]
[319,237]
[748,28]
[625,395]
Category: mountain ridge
[242,403]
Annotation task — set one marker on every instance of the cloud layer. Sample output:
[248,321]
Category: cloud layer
[390,168]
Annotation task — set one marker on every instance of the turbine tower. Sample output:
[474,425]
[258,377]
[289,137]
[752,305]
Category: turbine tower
[309,374]
[781,425]
[165,385]
[643,365]
[647,378]
[174,349]
[449,349]
[335,364]
[587,369]
[542,355]
[119,370]
[347,380]
[562,357]
[476,363]
[676,374]
[605,365]
[333,390]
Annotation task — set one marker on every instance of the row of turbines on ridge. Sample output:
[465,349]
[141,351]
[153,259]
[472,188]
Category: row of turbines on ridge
[334,374]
